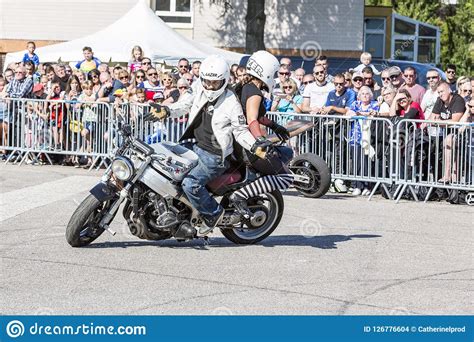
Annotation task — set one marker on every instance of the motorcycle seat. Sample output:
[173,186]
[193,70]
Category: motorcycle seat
[230,176]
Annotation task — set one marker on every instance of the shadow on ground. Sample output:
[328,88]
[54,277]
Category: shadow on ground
[322,242]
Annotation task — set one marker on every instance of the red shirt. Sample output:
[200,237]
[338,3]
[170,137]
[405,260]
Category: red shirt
[415,106]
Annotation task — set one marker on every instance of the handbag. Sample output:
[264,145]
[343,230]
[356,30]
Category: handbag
[76,126]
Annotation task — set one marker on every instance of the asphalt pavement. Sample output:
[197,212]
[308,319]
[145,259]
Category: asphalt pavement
[337,255]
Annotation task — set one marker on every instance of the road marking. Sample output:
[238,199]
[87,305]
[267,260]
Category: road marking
[22,200]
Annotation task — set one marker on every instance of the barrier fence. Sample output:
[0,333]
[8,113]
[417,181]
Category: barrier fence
[371,152]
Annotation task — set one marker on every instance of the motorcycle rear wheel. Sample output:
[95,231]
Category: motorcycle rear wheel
[251,235]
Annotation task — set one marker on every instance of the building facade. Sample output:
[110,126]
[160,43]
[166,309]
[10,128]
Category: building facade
[339,28]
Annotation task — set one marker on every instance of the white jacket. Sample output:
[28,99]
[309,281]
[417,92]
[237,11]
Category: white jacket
[227,119]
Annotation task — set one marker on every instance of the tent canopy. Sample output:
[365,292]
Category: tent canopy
[140,26]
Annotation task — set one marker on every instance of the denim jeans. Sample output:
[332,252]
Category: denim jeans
[209,167]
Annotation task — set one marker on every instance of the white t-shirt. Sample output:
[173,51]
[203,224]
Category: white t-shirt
[428,102]
[317,94]
[384,108]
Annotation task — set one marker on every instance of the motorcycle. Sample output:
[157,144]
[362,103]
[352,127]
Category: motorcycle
[148,179]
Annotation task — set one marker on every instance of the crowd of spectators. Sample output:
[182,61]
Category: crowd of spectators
[352,93]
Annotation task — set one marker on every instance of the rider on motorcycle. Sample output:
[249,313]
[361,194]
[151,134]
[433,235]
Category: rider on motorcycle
[215,118]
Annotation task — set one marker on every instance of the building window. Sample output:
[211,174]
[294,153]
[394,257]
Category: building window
[404,49]
[374,41]
[176,13]
[415,41]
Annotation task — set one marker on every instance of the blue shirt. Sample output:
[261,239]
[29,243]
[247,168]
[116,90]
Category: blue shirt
[86,66]
[343,101]
[34,59]
[285,105]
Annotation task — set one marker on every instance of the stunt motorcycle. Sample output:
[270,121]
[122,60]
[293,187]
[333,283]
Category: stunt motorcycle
[147,179]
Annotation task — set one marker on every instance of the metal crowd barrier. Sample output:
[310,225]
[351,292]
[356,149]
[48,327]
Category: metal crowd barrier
[168,130]
[52,127]
[357,149]
[396,158]
[433,154]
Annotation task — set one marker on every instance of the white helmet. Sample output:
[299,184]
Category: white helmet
[263,65]
[214,72]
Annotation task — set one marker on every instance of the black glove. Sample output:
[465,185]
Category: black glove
[157,112]
[281,132]
[260,147]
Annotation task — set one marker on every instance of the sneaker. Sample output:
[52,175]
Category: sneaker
[332,188]
[210,224]
[356,192]
[339,185]
[365,192]
[77,165]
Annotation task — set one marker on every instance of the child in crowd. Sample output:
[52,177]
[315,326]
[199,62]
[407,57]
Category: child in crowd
[89,118]
[137,106]
[31,55]
[89,62]
[136,62]
[56,113]
[366,61]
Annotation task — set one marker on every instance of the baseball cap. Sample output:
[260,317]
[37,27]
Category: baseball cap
[357,74]
[38,87]
[394,71]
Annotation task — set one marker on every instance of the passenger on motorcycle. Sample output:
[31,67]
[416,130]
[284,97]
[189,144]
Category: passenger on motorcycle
[261,68]
[215,118]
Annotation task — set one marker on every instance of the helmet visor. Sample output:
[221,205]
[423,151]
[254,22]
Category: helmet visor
[212,84]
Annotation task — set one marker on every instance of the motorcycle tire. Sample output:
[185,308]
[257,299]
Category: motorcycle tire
[318,172]
[82,228]
[251,236]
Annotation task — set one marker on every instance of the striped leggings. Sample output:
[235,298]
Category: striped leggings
[265,185]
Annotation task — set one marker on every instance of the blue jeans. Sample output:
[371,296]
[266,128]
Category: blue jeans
[209,167]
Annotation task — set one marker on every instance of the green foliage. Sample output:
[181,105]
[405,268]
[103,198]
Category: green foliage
[456,23]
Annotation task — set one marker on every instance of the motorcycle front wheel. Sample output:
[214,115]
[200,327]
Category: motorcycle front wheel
[317,171]
[83,227]
[269,208]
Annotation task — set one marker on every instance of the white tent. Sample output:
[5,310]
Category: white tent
[140,26]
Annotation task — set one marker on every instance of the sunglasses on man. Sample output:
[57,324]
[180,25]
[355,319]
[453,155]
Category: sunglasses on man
[308,82]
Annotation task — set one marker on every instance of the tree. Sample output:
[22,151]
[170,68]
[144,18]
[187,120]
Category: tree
[456,23]
[255,20]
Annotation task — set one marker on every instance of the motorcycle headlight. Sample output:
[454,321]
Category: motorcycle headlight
[122,168]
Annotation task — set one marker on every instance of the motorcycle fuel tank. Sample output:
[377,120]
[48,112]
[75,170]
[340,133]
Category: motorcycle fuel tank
[174,160]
